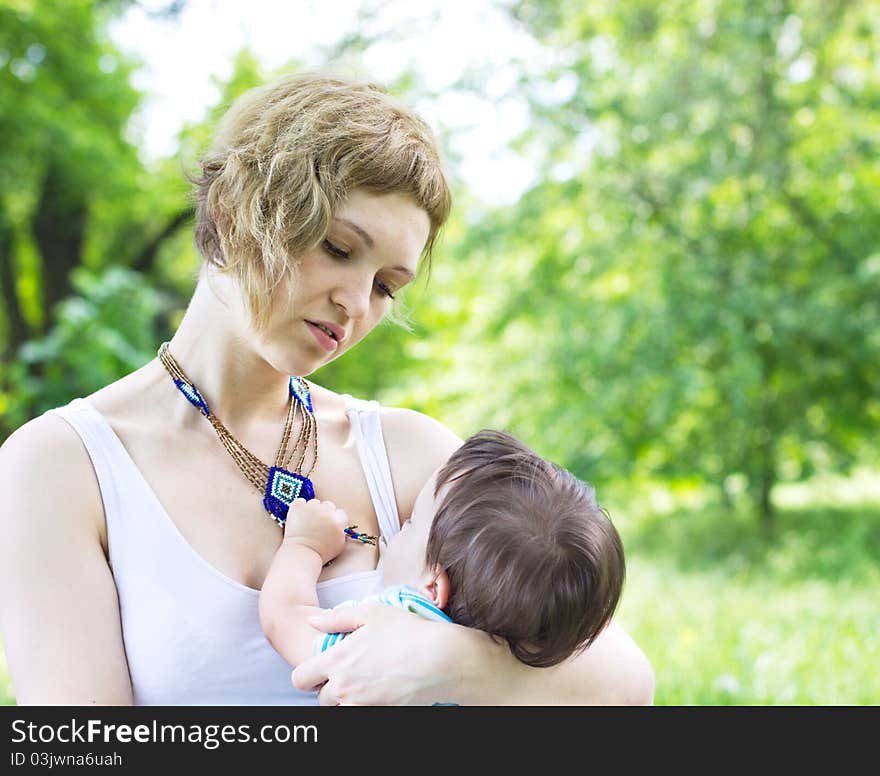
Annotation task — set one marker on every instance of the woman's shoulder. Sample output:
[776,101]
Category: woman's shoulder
[404,430]
[44,464]
[36,447]
[46,477]
[417,445]
[131,396]
[405,427]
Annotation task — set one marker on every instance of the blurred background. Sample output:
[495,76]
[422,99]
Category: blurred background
[662,272]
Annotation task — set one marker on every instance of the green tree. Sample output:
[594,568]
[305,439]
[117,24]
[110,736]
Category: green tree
[73,191]
[106,328]
[694,287]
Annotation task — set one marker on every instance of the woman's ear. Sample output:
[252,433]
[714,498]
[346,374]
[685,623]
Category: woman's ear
[438,588]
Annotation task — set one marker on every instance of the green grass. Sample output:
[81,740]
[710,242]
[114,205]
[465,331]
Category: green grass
[716,639]
[728,616]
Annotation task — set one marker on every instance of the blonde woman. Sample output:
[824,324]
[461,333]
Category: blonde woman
[139,522]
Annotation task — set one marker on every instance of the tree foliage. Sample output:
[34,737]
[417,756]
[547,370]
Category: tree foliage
[73,190]
[691,289]
[105,329]
[698,291]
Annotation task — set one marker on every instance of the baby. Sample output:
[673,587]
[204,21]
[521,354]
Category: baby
[499,539]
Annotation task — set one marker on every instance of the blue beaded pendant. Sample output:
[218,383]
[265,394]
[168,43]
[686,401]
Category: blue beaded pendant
[282,489]
[299,389]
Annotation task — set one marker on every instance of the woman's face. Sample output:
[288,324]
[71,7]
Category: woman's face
[342,288]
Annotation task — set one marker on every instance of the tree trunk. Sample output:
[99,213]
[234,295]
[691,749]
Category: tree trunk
[17,327]
[763,494]
[59,230]
[765,504]
[147,257]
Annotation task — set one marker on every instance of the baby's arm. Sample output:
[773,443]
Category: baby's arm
[313,535]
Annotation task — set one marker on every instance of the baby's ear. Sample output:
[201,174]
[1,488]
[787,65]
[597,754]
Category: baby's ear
[437,587]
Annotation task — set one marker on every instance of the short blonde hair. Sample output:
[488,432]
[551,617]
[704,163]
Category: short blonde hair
[286,155]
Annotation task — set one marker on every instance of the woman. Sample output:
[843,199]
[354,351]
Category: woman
[134,521]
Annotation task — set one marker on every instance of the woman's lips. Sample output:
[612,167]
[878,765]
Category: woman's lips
[324,340]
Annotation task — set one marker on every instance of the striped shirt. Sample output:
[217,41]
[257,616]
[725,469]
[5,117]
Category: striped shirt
[400,597]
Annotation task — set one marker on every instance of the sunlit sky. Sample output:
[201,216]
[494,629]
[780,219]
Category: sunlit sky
[183,55]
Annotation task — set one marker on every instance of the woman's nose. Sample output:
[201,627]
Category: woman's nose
[353,296]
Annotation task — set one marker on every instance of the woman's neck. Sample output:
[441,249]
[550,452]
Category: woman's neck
[216,348]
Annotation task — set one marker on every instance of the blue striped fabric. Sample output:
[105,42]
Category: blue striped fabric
[400,597]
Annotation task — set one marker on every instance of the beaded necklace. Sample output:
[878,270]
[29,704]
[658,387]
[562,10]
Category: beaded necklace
[279,485]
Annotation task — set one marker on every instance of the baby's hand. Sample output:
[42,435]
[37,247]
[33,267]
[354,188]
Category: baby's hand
[319,525]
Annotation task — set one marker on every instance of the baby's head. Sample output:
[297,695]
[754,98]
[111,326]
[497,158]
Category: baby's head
[514,545]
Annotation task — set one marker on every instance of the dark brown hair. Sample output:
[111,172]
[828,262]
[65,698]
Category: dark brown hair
[531,557]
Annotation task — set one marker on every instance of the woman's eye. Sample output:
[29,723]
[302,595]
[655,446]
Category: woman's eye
[384,289]
[334,251]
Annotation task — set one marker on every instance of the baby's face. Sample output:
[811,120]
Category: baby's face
[404,560]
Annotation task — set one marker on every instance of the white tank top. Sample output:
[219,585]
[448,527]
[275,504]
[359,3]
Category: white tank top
[192,635]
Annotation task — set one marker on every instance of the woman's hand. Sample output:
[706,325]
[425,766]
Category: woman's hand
[393,658]
[398,658]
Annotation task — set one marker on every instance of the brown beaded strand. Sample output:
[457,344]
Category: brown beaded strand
[252,467]
[256,472]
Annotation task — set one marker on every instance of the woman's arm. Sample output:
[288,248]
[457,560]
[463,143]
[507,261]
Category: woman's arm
[59,612]
[613,671]
[393,658]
